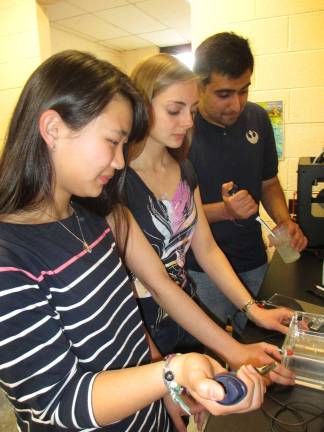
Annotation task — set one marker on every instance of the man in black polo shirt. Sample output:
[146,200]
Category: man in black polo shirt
[233,143]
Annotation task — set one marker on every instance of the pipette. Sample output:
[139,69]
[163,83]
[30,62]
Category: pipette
[232,192]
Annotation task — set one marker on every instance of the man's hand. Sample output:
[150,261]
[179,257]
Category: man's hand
[298,240]
[241,205]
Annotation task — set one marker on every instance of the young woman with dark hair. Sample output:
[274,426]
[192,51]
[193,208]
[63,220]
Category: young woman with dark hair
[73,351]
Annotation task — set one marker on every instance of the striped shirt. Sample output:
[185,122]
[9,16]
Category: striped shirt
[66,315]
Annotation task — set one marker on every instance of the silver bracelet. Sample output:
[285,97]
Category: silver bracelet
[246,307]
[173,387]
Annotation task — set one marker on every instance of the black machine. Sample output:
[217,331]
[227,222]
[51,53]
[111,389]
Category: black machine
[310,208]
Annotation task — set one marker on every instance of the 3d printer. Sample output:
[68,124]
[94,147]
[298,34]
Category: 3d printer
[310,191]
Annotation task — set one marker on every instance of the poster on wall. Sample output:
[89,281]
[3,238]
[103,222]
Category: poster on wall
[275,113]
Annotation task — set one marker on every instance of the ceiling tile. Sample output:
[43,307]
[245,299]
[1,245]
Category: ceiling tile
[164,38]
[177,21]
[127,43]
[164,8]
[116,23]
[97,5]
[181,25]
[184,32]
[131,19]
[68,30]
[93,26]
[61,10]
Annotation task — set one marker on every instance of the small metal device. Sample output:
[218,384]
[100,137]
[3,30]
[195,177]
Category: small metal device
[263,370]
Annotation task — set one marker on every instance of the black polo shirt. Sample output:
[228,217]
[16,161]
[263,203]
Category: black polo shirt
[246,154]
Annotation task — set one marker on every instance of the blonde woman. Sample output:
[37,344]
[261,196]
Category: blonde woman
[163,197]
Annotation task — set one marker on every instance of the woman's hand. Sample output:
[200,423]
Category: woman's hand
[259,354]
[271,319]
[196,372]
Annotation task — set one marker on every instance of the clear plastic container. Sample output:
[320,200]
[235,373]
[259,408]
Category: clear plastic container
[303,349]
[281,241]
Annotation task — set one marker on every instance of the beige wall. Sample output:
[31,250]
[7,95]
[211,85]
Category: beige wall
[287,38]
[25,43]
[125,60]
[21,23]
[60,40]
[132,57]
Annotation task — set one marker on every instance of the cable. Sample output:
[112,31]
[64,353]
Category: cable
[318,157]
[296,409]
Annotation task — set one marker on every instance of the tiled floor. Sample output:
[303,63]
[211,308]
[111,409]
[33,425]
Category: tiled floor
[8,421]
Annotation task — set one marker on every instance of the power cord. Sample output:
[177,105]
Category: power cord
[297,410]
[319,157]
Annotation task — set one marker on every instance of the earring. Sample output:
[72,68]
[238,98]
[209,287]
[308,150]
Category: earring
[53,147]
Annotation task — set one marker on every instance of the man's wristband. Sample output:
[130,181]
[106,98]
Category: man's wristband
[173,387]
[246,307]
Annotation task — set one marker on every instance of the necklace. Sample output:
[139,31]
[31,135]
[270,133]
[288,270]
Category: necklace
[85,245]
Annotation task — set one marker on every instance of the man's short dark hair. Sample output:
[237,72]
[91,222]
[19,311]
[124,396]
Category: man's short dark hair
[223,53]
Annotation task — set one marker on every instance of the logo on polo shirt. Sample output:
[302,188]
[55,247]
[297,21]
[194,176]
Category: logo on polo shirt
[252,136]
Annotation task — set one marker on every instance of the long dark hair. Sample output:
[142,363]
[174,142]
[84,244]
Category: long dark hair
[78,86]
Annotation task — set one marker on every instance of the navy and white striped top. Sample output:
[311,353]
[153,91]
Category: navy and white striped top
[65,315]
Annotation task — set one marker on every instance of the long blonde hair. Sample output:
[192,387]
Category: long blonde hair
[151,77]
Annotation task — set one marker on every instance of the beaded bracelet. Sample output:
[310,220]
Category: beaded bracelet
[173,387]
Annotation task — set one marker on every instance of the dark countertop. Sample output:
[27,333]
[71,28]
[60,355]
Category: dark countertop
[292,280]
